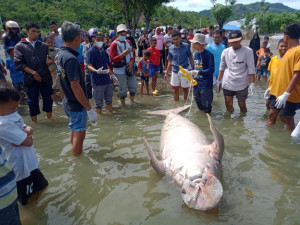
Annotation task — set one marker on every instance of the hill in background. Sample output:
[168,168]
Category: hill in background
[240,10]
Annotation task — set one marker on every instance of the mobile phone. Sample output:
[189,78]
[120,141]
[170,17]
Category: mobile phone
[51,52]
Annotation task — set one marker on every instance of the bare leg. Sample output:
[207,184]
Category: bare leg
[49,115]
[54,97]
[147,88]
[176,93]
[185,93]
[77,144]
[141,88]
[242,105]
[122,102]
[99,111]
[268,102]
[34,119]
[109,108]
[131,98]
[289,121]
[229,103]
[272,117]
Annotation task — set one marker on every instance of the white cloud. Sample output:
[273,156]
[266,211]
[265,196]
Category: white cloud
[199,5]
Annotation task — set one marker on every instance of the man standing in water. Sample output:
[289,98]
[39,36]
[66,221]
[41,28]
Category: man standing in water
[286,83]
[75,104]
[237,66]
[179,55]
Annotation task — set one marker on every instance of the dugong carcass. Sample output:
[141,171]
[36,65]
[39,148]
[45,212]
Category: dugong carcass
[189,159]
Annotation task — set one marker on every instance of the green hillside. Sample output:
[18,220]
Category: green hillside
[240,10]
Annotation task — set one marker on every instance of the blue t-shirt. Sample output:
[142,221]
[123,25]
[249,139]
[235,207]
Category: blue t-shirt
[98,58]
[204,63]
[15,75]
[216,50]
[80,51]
[179,56]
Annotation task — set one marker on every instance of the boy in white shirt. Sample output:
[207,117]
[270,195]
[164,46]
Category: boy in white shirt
[17,144]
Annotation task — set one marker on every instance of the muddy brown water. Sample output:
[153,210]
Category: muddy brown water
[112,182]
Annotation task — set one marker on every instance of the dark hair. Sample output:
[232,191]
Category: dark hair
[211,27]
[9,49]
[280,41]
[47,37]
[153,39]
[70,31]
[218,32]
[30,25]
[266,37]
[266,43]
[176,33]
[8,93]
[52,22]
[147,53]
[267,50]
[292,30]
[179,27]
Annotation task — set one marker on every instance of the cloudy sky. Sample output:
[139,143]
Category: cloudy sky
[199,5]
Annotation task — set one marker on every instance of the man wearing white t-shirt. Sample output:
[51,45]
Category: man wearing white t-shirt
[210,37]
[236,69]
[57,36]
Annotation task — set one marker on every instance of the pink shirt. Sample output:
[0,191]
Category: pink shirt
[160,41]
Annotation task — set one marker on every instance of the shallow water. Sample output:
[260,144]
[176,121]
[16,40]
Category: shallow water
[112,182]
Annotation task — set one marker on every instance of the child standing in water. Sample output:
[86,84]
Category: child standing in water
[144,67]
[273,66]
[17,144]
[154,64]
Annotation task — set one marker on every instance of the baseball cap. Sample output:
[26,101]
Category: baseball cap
[98,33]
[235,35]
[199,38]
[121,27]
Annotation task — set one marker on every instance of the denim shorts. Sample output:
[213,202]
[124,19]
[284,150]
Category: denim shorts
[153,69]
[204,98]
[103,92]
[288,110]
[78,120]
[262,72]
[146,79]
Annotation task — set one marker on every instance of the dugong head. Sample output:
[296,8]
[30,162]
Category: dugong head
[202,193]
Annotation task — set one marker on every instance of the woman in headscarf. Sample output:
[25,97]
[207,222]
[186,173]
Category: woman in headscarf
[255,45]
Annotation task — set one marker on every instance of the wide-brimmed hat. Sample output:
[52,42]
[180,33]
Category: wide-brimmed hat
[235,35]
[199,38]
[121,27]
[98,33]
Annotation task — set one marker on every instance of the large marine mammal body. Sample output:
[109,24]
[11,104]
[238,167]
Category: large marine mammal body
[189,159]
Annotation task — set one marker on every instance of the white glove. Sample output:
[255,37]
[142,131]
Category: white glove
[252,88]
[281,100]
[266,94]
[296,133]
[218,84]
[102,71]
[92,116]
[194,73]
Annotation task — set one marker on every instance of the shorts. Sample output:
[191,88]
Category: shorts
[241,95]
[153,69]
[78,120]
[103,92]
[30,185]
[204,98]
[10,214]
[262,72]
[289,109]
[146,79]
[178,81]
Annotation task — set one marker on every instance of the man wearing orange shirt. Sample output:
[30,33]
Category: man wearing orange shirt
[286,83]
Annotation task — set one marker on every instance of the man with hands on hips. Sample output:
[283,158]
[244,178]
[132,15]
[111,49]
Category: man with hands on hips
[236,69]
[75,103]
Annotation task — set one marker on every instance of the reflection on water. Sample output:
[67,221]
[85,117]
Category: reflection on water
[113,182]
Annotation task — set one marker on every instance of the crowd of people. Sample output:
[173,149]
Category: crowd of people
[80,65]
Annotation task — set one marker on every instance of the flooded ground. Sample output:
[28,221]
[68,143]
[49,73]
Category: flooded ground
[112,182]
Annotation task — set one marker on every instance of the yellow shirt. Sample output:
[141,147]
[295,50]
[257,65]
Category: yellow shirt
[273,66]
[289,64]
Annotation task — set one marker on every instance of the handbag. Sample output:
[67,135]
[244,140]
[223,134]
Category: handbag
[127,71]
